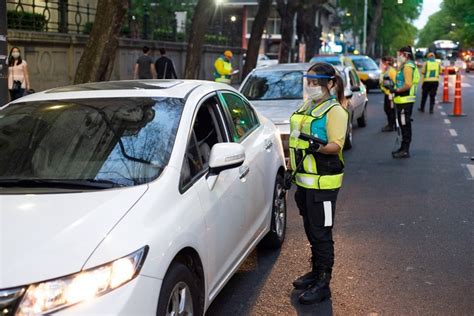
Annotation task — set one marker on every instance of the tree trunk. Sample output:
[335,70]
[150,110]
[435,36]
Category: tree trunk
[201,19]
[287,15]
[258,26]
[307,29]
[97,60]
[374,26]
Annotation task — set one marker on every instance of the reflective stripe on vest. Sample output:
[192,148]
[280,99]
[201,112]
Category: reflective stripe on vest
[431,71]
[411,97]
[301,121]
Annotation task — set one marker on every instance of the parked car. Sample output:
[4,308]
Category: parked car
[367,70]
[264,61]
[277,92]
[335,60]
[133,197]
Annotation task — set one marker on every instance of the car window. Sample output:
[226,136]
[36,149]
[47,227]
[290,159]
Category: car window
[207,131]
[122,141]
[274,85]
[242,117]
[355,82]
[364,64]
[336,61]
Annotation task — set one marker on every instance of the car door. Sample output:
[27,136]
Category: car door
[358,97]
[223,203]
[246,129]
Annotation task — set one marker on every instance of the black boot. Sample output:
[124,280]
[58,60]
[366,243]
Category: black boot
[403,152]
[387,128]
[319,291]
[306,280]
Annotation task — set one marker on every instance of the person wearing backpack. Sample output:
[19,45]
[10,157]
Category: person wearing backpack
[165,67]
[404,91]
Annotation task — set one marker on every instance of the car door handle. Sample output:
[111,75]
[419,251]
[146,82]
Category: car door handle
[244,171]
[268,144]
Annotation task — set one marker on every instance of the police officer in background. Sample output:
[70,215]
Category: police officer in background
[430,74]
[405,95]
[319,176]
[388,72]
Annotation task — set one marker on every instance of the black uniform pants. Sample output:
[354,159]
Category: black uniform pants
[389,111]
[428,88]
[317,207]
[404,112]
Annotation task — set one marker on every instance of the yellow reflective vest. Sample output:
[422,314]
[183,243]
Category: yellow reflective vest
[432,69]
[318,171]
[222,70]
[392,74]
[407,96]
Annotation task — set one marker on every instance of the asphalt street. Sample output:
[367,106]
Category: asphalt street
[403,228]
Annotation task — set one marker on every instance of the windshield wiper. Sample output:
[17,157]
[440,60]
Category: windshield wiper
[59,183]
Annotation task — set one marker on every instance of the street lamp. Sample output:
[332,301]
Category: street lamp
[400,1]
[348,14]
[233,18]
[453,24]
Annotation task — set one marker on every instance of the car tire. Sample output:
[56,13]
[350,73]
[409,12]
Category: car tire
[361,121]
[275,237]
[348,141]
[179,294]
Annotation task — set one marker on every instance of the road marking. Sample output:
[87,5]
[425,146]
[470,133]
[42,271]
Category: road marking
[447,121]
[471,170]
[465,85]
[440,107]
[461,148]
[453,132]
[443,113]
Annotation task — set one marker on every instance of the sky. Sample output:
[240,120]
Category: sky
[429,7]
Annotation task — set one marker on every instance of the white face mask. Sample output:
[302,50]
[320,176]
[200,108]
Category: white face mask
[314,93]
[16,55]
[401,59]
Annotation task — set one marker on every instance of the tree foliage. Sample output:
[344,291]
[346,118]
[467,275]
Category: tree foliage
[396,25]
[439,26]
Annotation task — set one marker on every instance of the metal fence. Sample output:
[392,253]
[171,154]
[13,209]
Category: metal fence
[149,23]
[60,16]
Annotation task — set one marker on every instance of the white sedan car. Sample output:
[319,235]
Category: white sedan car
[133,197]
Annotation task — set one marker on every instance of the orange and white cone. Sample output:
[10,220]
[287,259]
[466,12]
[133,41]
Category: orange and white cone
[457,106]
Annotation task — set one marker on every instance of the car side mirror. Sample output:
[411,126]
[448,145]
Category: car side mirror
[224,156]
[355,89]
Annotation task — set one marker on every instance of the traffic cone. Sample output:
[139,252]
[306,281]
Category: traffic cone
[457,106]
[446,87]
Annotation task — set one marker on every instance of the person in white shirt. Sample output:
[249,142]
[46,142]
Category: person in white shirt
[18,77]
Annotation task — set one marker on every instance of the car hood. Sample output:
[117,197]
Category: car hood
[45,236]
[278,111]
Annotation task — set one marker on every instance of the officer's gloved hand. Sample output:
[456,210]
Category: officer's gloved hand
[313,147]
[393,90]
[287,179]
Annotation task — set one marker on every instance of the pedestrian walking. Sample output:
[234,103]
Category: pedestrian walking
[388,73]
[223,68]
[165,67]
[404,92]
[18,76]
[430,76]
[144,67]
[318,172]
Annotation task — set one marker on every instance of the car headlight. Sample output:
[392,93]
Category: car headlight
[59,293]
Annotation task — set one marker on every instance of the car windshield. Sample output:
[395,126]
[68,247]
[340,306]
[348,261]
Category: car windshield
[112,141]
[336,61]
[274,85]
[363,64]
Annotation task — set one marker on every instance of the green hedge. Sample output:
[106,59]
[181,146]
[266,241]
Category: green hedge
[26,21]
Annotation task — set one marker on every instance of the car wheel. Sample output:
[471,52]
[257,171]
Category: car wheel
[275,237]
[179,294]
[361,121]
[348,141]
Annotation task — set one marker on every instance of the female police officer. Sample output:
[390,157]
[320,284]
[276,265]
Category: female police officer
[319,175]
[405,95]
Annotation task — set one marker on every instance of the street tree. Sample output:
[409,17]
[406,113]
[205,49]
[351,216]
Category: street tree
[374,26]
[258,26]
[306,27]
[97,60]
[287,11]
[202,15]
